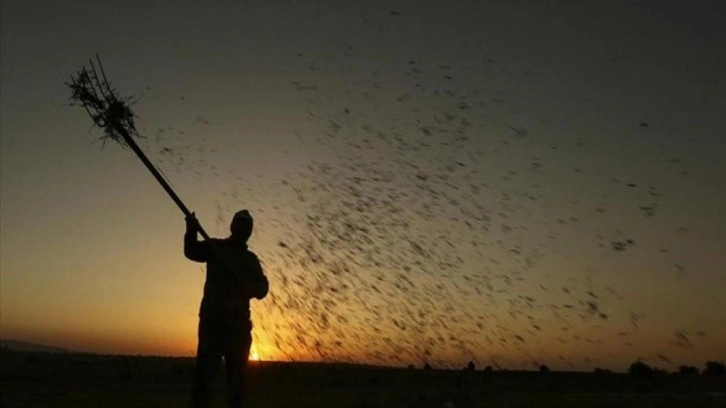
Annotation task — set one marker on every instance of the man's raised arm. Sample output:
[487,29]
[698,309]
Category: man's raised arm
[195,250]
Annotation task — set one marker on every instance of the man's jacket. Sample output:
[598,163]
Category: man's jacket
[234,276]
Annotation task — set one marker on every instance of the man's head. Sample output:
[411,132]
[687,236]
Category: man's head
[241,226]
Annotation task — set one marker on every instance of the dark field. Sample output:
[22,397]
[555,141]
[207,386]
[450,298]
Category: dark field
[82,380]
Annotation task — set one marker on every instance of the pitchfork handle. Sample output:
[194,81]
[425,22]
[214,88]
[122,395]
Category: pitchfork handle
[129,141]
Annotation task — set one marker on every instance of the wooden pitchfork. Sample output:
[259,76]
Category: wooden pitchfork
[113,114]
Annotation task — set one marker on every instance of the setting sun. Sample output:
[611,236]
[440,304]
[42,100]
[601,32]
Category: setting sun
[254,356]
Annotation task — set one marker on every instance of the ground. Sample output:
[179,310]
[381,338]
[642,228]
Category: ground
[84,380]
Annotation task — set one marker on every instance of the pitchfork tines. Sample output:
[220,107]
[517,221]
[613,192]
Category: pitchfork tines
[108,110]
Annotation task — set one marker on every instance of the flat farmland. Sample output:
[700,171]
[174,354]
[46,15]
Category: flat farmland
[87,380]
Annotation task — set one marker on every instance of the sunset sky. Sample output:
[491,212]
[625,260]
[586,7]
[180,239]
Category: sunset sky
[513,183]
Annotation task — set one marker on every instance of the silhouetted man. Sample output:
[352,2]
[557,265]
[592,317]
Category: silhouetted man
[234,276]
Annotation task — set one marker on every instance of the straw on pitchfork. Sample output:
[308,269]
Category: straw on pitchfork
[113,114]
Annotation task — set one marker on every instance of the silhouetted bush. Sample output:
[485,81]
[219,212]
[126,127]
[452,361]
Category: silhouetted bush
[471,366]
[687,370]
[544,369]
[715,368]
[640,369]
[488,369]
[411,367]
[602,371]
[427,366]
[659,371]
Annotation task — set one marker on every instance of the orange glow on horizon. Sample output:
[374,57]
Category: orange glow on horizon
[254,355]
